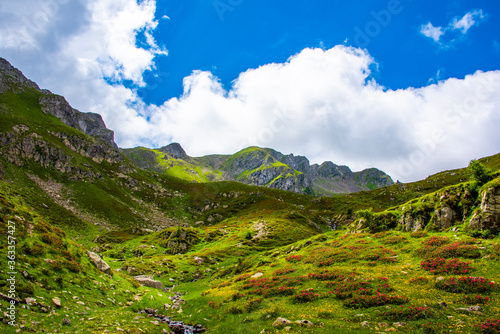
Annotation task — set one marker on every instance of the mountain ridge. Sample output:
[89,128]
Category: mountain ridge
[105,245]
[270,168]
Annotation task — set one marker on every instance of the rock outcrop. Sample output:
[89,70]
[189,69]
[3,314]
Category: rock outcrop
[13,80]
[88,123]
[148,280]
[487,217]
[99,263]
[175,150]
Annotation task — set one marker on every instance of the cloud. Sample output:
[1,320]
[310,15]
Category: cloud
[320,103]
[466,22]
[323,104]
[458,27]
[84,50]
[429,30]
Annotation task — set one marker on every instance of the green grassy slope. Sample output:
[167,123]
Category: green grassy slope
[66,192]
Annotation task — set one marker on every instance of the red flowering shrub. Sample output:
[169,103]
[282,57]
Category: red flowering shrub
[237,296]
[436,241]
[284,271]
[394,240]
[305,296]
[73,266]
[458,249]
[490,326]
[330,275]
[466,285]
[443,266]
[243,277]
[214,305]
[418,234]
[379,299]
[495,251]
[381,254]
[252,305]
[294,258]
[409,313]
[344,290]
[475,299]
[419,280]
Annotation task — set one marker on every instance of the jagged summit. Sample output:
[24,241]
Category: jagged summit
[262,167]
[175,150]
[254,165]
[12,80]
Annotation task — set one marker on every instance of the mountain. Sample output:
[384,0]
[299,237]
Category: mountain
[94,243]
[262,167]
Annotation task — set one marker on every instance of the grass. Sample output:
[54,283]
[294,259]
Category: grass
[244,255]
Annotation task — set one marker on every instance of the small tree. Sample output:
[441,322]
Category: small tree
[480,173]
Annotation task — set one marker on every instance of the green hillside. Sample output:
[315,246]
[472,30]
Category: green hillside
[228,257]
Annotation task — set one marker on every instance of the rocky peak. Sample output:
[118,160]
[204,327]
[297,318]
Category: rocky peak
[11,79]
[175,150]
[88,123]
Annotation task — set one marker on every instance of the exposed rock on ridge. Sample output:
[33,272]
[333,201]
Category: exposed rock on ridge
[13,80]
[88,123]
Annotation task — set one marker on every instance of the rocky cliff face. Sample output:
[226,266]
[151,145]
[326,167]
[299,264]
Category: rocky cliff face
[175,150]
[487,217]
[30,141]
[88,123]
[262,167]
[450,207]
[12,80]
[267,167]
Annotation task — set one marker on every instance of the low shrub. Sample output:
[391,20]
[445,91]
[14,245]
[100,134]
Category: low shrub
[379,299]
[394,240]
[284,271]
[490,326]
[214,305]
[443,266]
[233,309]
[410,313]
[418,234]
[326,315]
[330,275]
[419,280]
[252,305]
[436,241]
[466,285]
[458,250]
[73,266]
[476,299]
[294,258]
[243,277]
[305,296]
[236,296]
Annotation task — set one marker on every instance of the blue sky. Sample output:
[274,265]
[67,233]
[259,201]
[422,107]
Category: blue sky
[410,87]
[228,37]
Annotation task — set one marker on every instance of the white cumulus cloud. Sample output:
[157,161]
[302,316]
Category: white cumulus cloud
[429,30]
[456,29]
[323,104]
[466,22]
